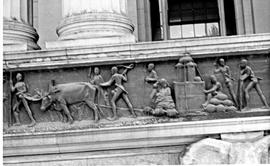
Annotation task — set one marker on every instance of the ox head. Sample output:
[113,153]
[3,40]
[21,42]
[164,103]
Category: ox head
[46,99]
[46,102]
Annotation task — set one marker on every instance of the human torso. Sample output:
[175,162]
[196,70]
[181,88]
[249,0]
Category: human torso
[20,87]
[248,71]
[118,79]
[152,74]
[97,79]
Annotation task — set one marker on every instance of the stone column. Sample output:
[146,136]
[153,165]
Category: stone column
[18,32]
[93,22]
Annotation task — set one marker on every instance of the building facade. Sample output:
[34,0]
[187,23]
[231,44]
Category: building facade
[57,42]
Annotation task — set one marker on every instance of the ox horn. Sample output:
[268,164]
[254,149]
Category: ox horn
[40,93]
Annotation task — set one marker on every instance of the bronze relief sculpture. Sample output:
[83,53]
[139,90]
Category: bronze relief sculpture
[62,95]
[188,89]
[21,99]
[96,79]
[152,76]
[216,100]
[248,78]
[118,79]
[163,103]
[225,71]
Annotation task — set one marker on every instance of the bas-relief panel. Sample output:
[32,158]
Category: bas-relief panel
[138,89]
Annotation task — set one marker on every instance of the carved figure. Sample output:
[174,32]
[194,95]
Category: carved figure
[226,73]
[152,74]
[21,97]
[162,98]
[96,79]
[62,95]
[216,100]
[247,76]
[117,79]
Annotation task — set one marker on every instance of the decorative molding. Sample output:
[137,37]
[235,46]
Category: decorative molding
[137,52]
[169,134]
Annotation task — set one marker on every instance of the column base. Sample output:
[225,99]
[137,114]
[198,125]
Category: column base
[15,47]
[90,42]
[94,25]
[19,36]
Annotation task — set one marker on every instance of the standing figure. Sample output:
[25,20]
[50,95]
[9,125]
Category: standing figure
[96,80]
[21,98]
[152,76]
[225,71]
[213,91]
[247,75]
[117,79]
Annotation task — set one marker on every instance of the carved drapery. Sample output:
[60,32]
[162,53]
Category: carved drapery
[88,19]
[17,25]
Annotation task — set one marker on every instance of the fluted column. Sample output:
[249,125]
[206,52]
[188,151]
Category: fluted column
[19,33]
[95,19]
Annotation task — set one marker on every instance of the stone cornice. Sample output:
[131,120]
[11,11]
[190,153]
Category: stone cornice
[169,134]
[138,52]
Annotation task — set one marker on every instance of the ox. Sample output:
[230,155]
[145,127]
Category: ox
[62,95]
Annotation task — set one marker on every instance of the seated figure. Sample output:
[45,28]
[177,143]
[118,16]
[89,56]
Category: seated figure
[216,100]
[216,87]
[162,99]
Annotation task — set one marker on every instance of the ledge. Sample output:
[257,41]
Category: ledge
[156,135]
[138,52]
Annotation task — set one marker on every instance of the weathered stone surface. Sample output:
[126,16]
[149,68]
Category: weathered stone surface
[142,156]
[207,151]
[212,151]
[242,137]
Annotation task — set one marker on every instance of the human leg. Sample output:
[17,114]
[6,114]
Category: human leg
[116,95]
[209,96]
[17,119]
[230,88]
[66,111]
[260,93]
[247,97]
[93,106]
[29,112]
[126,99]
